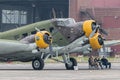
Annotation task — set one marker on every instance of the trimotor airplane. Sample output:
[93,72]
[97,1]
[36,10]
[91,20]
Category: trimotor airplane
[25,44]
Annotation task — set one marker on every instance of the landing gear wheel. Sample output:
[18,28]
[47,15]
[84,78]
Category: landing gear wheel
[71,65]
[38,64]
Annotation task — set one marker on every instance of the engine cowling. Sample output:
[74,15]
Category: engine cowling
[88,27]
[96,41]
[43,39]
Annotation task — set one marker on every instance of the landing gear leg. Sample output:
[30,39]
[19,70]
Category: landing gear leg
[69,62]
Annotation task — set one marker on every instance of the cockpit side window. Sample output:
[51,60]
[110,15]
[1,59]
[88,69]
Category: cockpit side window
[60,23]
[66,22]
[69,22]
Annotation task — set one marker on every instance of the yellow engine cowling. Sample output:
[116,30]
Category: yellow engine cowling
[88,27]
[96,41]
[40,41]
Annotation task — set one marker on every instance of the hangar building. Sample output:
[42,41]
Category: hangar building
[15,13]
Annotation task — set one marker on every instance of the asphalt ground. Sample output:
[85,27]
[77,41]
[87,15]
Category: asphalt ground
[56,71]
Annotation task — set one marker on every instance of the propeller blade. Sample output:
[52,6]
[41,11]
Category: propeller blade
[37,29]
[94,31]
[54,13]
[61,14]
[93,18]
[103,31]
[92,34]
[47,39]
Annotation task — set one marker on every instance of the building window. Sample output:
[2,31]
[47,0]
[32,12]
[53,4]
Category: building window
[14,16]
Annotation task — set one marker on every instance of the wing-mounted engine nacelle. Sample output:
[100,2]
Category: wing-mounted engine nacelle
[88,27]
[96,41]
[43,39]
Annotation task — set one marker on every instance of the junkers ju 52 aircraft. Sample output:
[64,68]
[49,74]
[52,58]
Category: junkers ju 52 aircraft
[25,44]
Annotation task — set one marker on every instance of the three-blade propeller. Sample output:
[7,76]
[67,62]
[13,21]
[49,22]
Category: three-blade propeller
[96,29]
[102,31]
[47,39]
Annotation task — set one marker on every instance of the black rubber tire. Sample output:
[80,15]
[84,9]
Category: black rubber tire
[38,64]
[74,63]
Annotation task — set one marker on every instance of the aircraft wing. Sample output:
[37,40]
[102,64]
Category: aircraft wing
[16,51]
[64,49]
[84,49]
[112,43]
[10,46]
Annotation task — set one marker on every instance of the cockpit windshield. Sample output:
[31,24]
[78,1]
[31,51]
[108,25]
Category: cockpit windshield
[65,22]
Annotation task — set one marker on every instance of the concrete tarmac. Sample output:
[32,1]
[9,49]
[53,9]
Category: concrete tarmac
[56,71]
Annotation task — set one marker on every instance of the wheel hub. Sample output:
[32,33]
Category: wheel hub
[36,64]
[70,64]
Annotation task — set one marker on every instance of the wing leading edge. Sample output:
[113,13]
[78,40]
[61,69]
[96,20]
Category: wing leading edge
[112,43]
